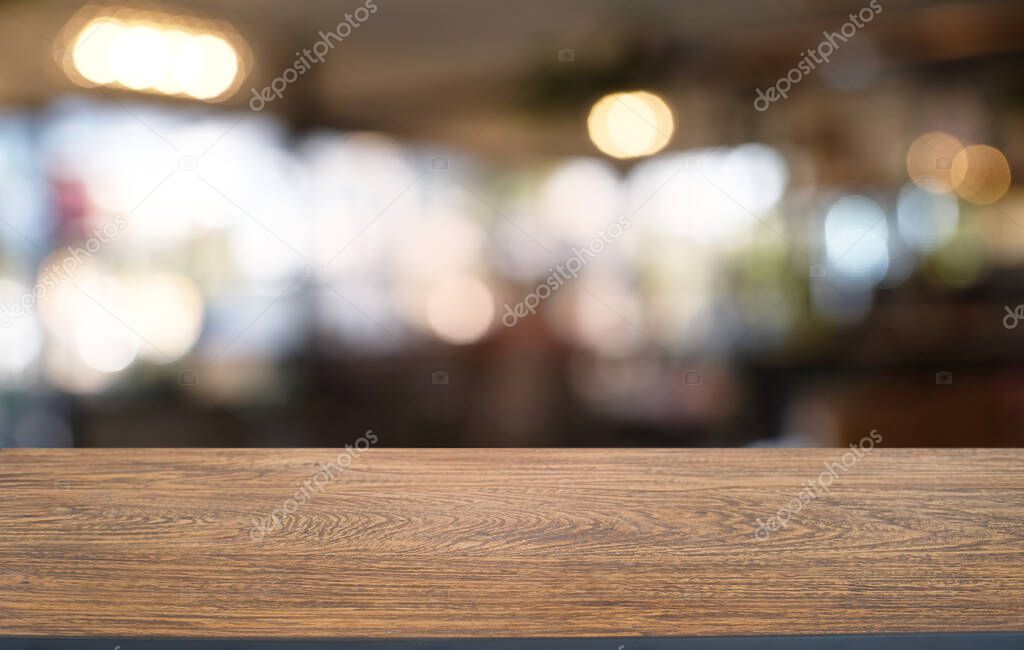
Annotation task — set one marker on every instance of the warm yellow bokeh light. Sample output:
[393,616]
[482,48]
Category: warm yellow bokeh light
[980,174]
[218,69]
[139,56]
[930,160]
[630,125]
[90,52]
[153,53]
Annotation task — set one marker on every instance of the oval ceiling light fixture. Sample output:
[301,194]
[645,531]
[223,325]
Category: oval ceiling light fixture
[630,124]
[154,52]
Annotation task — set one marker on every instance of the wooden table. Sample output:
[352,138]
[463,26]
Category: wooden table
[507,543]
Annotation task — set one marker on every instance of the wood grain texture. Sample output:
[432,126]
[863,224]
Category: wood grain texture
[485,542]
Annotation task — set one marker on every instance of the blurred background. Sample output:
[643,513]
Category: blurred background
[511,222]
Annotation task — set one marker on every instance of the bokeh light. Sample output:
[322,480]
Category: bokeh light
[65,368]
[460,309]
[92,50]
[606,324]
[925,220]
[155,53]
[709,196]
[104,342]
[579,197]
[630,124]
[856,240]
[20,338]
[980,174]
[86,313]
[439,244]
[930,161]
[166,310]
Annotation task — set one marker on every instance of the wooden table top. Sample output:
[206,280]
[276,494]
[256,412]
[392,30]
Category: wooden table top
[508,543]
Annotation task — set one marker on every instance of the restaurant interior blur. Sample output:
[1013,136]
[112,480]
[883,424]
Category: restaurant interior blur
[652,223]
